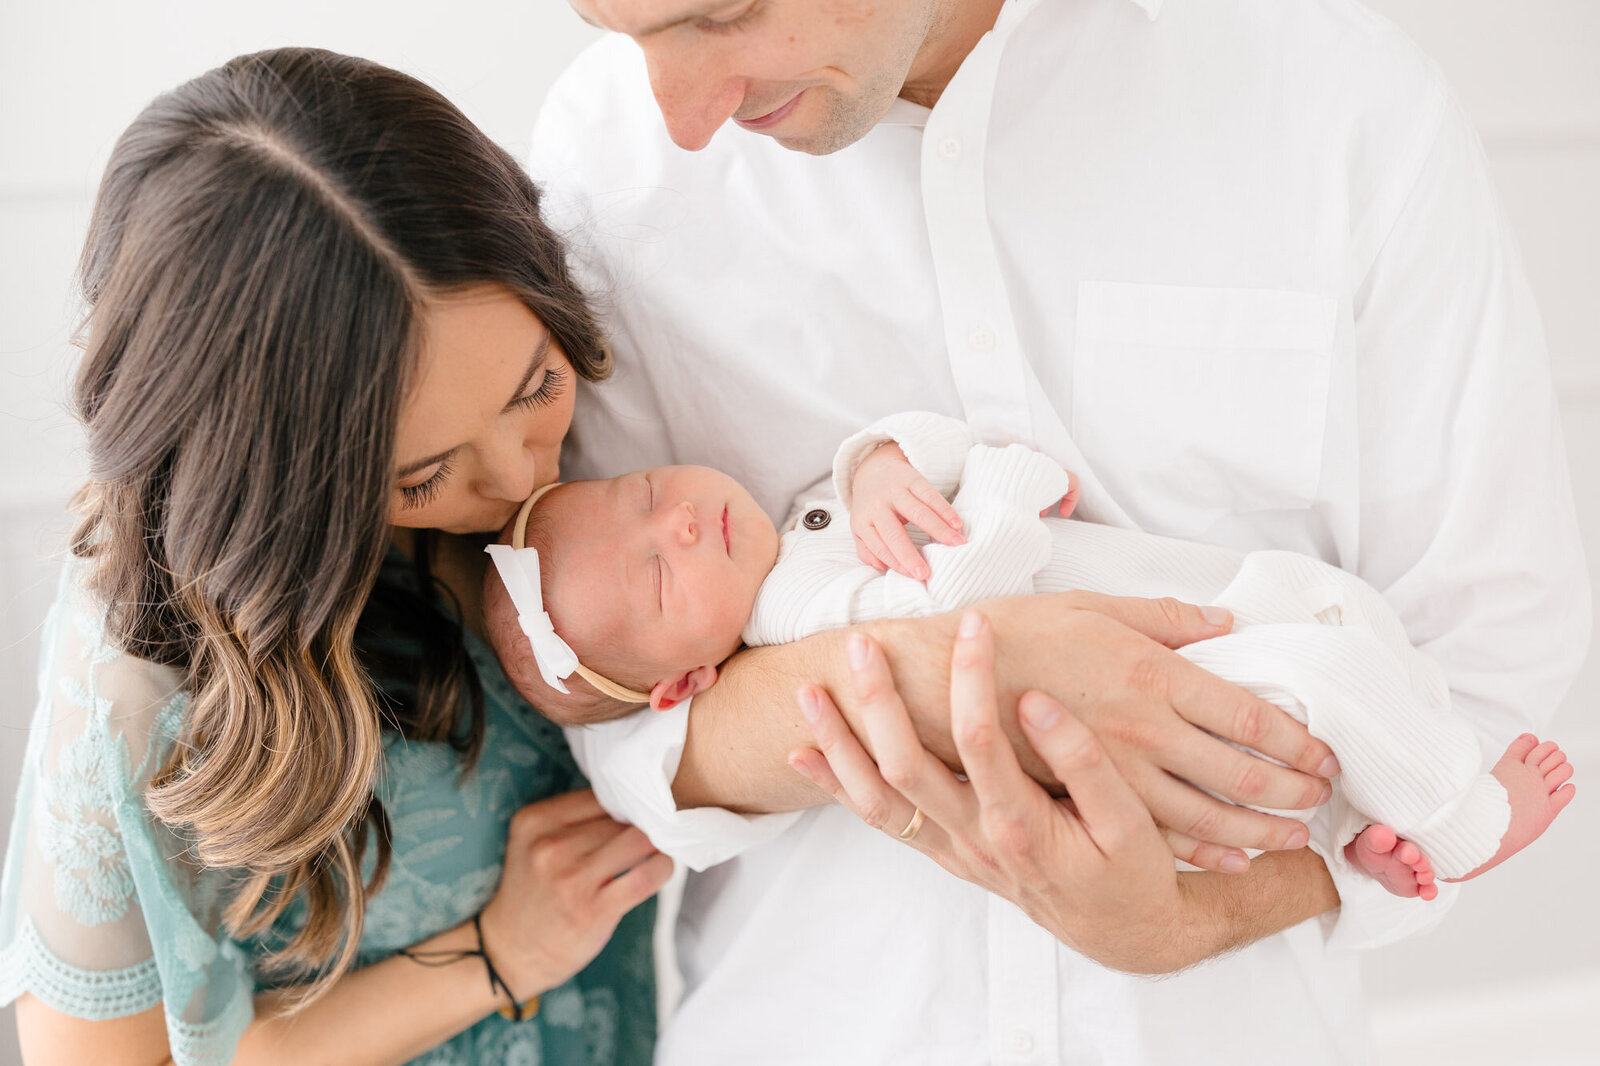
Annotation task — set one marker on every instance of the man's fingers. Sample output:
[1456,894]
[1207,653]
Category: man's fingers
[1206,856]
[1180,806]
[1107,807]
[1165,621]
[986,754]
[1230,712]
[902,762]
[860,787]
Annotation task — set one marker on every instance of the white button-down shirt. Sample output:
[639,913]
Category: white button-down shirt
[1240,267]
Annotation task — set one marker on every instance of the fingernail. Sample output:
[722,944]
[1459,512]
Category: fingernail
[801,768]
[1329,767]
[1217,616]
[856,648]
[1327,794]
[808,706]
[1298,838]
[1040,713]
[1235,864]
[971,623]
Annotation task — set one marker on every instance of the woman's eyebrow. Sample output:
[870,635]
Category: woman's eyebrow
[540,354]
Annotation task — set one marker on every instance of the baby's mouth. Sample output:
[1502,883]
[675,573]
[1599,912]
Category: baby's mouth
[727,533]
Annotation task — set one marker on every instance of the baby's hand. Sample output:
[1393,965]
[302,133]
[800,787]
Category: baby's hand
[888,494]
[1064,506]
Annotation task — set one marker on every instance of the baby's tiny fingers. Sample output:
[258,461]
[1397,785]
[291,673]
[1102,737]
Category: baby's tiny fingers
[876,555]
[902,554]
[936,502]
[929,521]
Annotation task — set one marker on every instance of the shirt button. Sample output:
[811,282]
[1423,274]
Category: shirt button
[981,340]
[1019,1042]
[950,147]
[816,519]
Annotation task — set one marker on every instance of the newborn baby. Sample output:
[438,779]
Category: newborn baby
[641,585]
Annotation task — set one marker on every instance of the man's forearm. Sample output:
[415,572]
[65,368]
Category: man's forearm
[742,729]
[1229,911]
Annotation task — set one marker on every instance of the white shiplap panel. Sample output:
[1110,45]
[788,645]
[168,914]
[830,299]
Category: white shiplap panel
[1553,199]
[73,74]
[39,242]
[1526,69]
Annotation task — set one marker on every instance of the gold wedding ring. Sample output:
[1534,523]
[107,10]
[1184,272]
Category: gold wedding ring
[913,826]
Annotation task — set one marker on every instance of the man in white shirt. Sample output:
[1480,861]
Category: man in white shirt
[1237,265]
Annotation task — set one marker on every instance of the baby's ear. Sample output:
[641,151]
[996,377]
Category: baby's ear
[670,693]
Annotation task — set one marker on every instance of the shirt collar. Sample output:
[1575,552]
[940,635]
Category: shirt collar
[905,113]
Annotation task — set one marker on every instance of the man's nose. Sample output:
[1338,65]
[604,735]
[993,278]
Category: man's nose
[695,101]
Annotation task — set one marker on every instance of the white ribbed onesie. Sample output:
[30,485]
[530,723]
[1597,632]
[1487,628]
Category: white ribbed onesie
[1310,638]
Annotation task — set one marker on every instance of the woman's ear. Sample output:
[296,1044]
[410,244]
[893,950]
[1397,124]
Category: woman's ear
[673,691]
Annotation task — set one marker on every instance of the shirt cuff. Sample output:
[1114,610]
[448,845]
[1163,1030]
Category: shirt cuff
[1369,916]
[936,445]
[631,763]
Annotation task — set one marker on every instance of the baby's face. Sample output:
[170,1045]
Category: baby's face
[659,566]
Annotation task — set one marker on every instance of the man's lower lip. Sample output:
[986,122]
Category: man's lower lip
[772,118]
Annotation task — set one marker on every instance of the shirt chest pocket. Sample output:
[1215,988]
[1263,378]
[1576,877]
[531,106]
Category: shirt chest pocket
[1195,403]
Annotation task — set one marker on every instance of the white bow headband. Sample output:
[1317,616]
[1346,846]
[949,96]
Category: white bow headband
[519,569]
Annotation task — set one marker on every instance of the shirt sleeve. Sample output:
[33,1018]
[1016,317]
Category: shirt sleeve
[631,763]
[102,915]
[1467,522]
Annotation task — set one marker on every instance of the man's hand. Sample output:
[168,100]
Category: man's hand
[1158,716]
[1092,869]
[887,492]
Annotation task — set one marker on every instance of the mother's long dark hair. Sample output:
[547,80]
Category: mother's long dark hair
[261,244]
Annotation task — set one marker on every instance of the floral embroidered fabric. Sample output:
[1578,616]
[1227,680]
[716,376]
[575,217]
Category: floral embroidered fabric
[104,914]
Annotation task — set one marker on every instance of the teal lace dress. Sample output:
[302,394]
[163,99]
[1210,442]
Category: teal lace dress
[103,914]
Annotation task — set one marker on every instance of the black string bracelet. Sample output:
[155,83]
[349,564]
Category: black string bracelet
[516,1012]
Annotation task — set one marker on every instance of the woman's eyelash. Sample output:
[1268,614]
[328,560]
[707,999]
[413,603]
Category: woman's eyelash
[420,495]
[549,390]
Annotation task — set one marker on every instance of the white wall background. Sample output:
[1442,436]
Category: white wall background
[1512,977]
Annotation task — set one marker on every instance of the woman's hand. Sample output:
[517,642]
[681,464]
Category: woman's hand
[1093,869]
[571,873]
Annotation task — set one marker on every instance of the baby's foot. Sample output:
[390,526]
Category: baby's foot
[1396,864]
[1535,779]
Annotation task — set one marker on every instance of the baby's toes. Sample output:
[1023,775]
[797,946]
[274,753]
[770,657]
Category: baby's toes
[1428,891]
[1407,853]
[1553,760]
[1378,840]
[1559,776]
[1524,744]
[1539,754]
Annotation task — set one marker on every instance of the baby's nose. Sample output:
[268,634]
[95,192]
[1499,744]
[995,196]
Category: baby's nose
[684,526]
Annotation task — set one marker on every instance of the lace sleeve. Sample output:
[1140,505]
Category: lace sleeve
[102,912]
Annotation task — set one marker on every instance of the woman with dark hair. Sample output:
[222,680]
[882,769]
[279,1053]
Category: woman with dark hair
[279,804]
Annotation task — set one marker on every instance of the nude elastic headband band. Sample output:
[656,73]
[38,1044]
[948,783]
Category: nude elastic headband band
[518,566]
